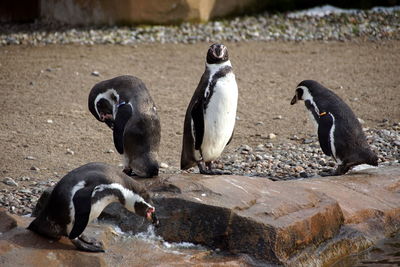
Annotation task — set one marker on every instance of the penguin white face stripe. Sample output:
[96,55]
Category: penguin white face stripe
[76,187]
[106,95]
[130,197]
[308,96]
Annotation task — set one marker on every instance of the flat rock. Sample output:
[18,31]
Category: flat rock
[268,220]
[312,221]
[308,222]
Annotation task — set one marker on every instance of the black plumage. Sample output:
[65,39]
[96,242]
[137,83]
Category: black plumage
[125,105]
[71,201]
[350,146]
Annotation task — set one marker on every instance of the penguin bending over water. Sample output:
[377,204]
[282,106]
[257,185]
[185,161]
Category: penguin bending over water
[339,132]
[125,105]
[79,198]
[210,116]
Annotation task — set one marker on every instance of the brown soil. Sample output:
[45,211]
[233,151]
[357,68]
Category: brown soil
[52,83]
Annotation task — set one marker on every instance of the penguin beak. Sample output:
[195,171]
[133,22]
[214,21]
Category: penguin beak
[294,99]
[222,50]
[151,217]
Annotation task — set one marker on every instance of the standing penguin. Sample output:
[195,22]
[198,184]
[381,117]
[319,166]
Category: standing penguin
[79,198]
[210,116]
[125,105]
[339,132]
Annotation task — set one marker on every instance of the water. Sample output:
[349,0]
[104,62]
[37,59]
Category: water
[385,253]
[148,249]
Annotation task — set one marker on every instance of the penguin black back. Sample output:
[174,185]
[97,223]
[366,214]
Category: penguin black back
[340,133]
[81,195]
[125,105]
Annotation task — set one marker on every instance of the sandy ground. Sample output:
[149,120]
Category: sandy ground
[38,84]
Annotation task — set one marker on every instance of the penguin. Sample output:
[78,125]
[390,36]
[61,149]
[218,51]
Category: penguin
[339,132]
[79,198]
[210,117]
[125,105]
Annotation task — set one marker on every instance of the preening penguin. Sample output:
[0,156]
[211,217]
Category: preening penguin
[210,116]
[125,105]
[339,132]
[81,195]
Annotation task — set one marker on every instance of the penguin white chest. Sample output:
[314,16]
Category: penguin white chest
[219,117]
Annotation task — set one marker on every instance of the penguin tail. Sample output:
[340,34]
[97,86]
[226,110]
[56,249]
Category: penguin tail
[33,226]
[43,228]
[369,156]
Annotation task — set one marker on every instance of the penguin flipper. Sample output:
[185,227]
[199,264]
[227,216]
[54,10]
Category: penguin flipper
[324,127]
[230,139]
[123,115]
[82,204]
[198,121]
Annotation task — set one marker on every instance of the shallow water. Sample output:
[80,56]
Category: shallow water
[148,249]
[385,253]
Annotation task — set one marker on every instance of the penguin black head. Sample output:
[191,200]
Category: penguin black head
[105,110]
[101,105]
[217,53]
[149,212]
[305,90]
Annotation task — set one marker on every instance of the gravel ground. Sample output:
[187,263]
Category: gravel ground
[299,158]
[44,138]
[372,25]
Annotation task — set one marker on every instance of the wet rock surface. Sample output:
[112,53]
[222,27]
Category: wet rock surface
[21,247]
[298,222]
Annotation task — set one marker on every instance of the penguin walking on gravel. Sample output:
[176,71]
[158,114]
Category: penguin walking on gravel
[79,198]
[125,105]
[339,132]
[211,114]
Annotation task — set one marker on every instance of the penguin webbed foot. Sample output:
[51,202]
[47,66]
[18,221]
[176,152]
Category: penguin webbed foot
[327,173]
[206,169]
[340,170]
[88,244]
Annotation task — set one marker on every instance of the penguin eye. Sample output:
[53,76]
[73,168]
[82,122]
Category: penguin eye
[300,93]
[113,97]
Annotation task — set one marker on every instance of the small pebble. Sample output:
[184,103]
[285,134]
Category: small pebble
[163,165]
[25,178]
[307,141]
[109,151]
[246,148]
[50,121]
[69,152]
[279,117]
[10,181]
[96,73]
[30,158]
[271,136]
[34,168]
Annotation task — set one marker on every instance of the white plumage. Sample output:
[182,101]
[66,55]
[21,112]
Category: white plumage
[219,118]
